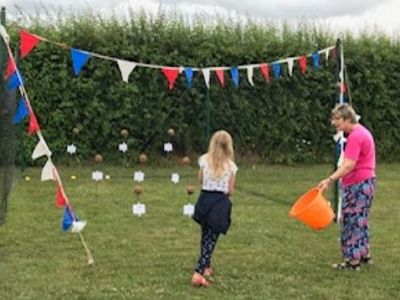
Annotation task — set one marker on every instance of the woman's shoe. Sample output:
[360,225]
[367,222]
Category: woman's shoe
[346,265]
[208,271]
[199,280]
[367,260]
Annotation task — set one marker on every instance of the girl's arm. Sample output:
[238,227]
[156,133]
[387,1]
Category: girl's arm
[232,182]
[200,176]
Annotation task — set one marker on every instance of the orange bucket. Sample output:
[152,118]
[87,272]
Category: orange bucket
[313,210]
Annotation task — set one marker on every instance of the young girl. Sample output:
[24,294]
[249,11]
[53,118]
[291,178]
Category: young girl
[213,208]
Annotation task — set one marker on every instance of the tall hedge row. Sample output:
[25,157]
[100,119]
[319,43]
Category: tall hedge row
[285,120]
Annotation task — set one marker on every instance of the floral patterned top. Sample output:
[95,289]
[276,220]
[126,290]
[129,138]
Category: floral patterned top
[220,184]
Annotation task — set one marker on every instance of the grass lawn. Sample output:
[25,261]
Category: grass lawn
[265,255]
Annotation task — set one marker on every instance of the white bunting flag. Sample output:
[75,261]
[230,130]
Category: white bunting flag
[123,147]
[290,66]
[47,171]
[168,147]
[188,210]
[206,75]
[175,178]
[97,175]
[250,71]
[138,176]
[40,150]
[77,226]
[139,209]
[71,149]
[326,54]
[338,136]
[126,67]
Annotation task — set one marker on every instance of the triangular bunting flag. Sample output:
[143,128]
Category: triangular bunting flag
[303,64]
[47,171]
[276,69]
[235,76]
[264,68]
[326,52]
[220,76]
[206,75]
[68,218]
[290,66]
[22,111]
[189,77]
[61,199]
[171,74]
[125,67]
[77,226]
[40,150]
[28,41]
[33,124]
[11,67]
[315,58]
[342,87]
[79,59]
[334,53]
[250,72]
[13,82]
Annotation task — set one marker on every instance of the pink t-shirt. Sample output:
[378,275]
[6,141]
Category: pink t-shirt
[360,147]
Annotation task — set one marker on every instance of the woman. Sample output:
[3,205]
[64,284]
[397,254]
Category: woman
[358,183]
[213,208]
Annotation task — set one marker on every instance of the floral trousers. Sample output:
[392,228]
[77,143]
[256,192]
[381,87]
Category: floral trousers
[355,234]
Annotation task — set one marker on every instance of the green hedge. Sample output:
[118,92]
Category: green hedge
[284,121]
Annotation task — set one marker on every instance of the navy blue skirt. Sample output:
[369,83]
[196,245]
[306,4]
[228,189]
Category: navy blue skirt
[213,209]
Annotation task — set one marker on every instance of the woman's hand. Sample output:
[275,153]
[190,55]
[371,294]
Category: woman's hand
[325,183]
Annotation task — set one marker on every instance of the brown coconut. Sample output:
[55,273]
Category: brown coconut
[190,189]
[138,189]
[98,158]
[142,158]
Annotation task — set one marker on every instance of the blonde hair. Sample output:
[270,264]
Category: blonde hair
[345,111]
[220,152]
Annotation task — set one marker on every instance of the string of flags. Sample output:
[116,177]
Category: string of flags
[28,41]
[70,221]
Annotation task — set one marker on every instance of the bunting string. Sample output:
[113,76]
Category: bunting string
[81,57]
[49,171]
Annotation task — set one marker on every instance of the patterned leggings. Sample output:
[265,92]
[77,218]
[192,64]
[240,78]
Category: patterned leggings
[355,228]
[207,245]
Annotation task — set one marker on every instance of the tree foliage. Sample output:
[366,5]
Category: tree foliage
[286,120]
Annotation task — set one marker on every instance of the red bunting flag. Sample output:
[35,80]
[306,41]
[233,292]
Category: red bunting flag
[303,64]
[264,68]
[61,201]
[220,76]
[334,53]
[33,124]
[28,41]
[10,67]
[343,87]
[171,74]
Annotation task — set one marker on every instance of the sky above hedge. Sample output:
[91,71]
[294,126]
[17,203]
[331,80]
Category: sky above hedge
[353,15]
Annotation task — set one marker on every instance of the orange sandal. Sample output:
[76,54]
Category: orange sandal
[199,280]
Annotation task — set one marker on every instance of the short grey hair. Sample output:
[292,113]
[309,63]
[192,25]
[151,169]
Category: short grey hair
[345,111]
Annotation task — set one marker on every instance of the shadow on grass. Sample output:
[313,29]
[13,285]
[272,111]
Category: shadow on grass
[264,196]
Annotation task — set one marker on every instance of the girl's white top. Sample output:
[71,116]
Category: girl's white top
[220,184]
